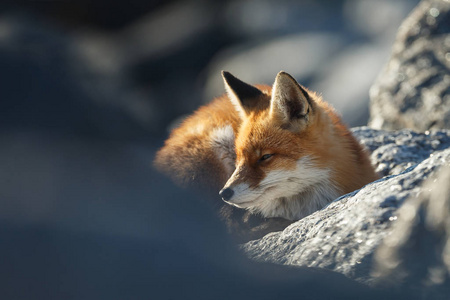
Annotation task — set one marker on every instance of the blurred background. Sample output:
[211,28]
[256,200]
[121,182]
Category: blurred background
[88,92]
[149,62]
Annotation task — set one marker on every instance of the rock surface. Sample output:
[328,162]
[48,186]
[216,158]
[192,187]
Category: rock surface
[416,254]
[394,151]
[344,235]
[413,90]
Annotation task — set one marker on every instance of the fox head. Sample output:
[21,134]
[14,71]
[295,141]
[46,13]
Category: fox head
[279,150]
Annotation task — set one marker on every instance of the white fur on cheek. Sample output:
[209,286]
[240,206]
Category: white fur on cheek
[222,141]
[294,194]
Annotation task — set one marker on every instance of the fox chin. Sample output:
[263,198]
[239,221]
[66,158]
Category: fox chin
[277,151]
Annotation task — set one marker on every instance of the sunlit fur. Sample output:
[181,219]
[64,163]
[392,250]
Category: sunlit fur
[278,194]
[315,157]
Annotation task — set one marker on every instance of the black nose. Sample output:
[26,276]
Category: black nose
[226,194]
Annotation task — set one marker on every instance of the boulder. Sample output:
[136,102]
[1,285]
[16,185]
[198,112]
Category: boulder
[416,254]
[413,90]
[345,235]
[392,152]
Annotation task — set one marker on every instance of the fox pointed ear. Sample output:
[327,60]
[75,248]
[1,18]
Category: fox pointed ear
[242,95]
[290,104]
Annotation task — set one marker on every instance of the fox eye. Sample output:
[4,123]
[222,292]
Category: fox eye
[265,157]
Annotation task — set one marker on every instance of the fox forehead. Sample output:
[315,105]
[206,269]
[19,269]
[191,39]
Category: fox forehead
[258,136]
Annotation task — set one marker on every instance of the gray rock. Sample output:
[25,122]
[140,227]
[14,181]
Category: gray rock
[394,151]
[416,254]
[413,90]
[344,235]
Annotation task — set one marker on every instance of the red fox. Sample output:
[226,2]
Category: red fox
[278,152]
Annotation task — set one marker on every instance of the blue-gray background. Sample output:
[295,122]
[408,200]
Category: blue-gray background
[88,92]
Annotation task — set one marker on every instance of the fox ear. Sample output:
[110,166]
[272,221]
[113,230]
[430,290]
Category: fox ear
[290,103]
[242,95]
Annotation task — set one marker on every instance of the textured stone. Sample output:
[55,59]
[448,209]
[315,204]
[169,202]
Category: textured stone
[394,151]
[344,235]
[416,254]
[413,90]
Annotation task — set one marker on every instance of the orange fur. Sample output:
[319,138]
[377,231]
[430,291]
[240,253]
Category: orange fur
[187,156]
[313,130]
[326,139]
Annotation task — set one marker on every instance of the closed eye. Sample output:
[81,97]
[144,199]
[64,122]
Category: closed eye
[265,157]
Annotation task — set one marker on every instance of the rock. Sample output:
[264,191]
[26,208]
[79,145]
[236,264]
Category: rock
[416,253]
[413,90]
[394,151]
[344,235]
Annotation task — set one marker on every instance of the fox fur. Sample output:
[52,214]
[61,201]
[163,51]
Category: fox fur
[277,151]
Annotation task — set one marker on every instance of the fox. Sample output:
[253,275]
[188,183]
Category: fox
[276,151]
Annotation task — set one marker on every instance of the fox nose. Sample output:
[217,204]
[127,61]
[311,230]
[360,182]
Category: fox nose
[226,194]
